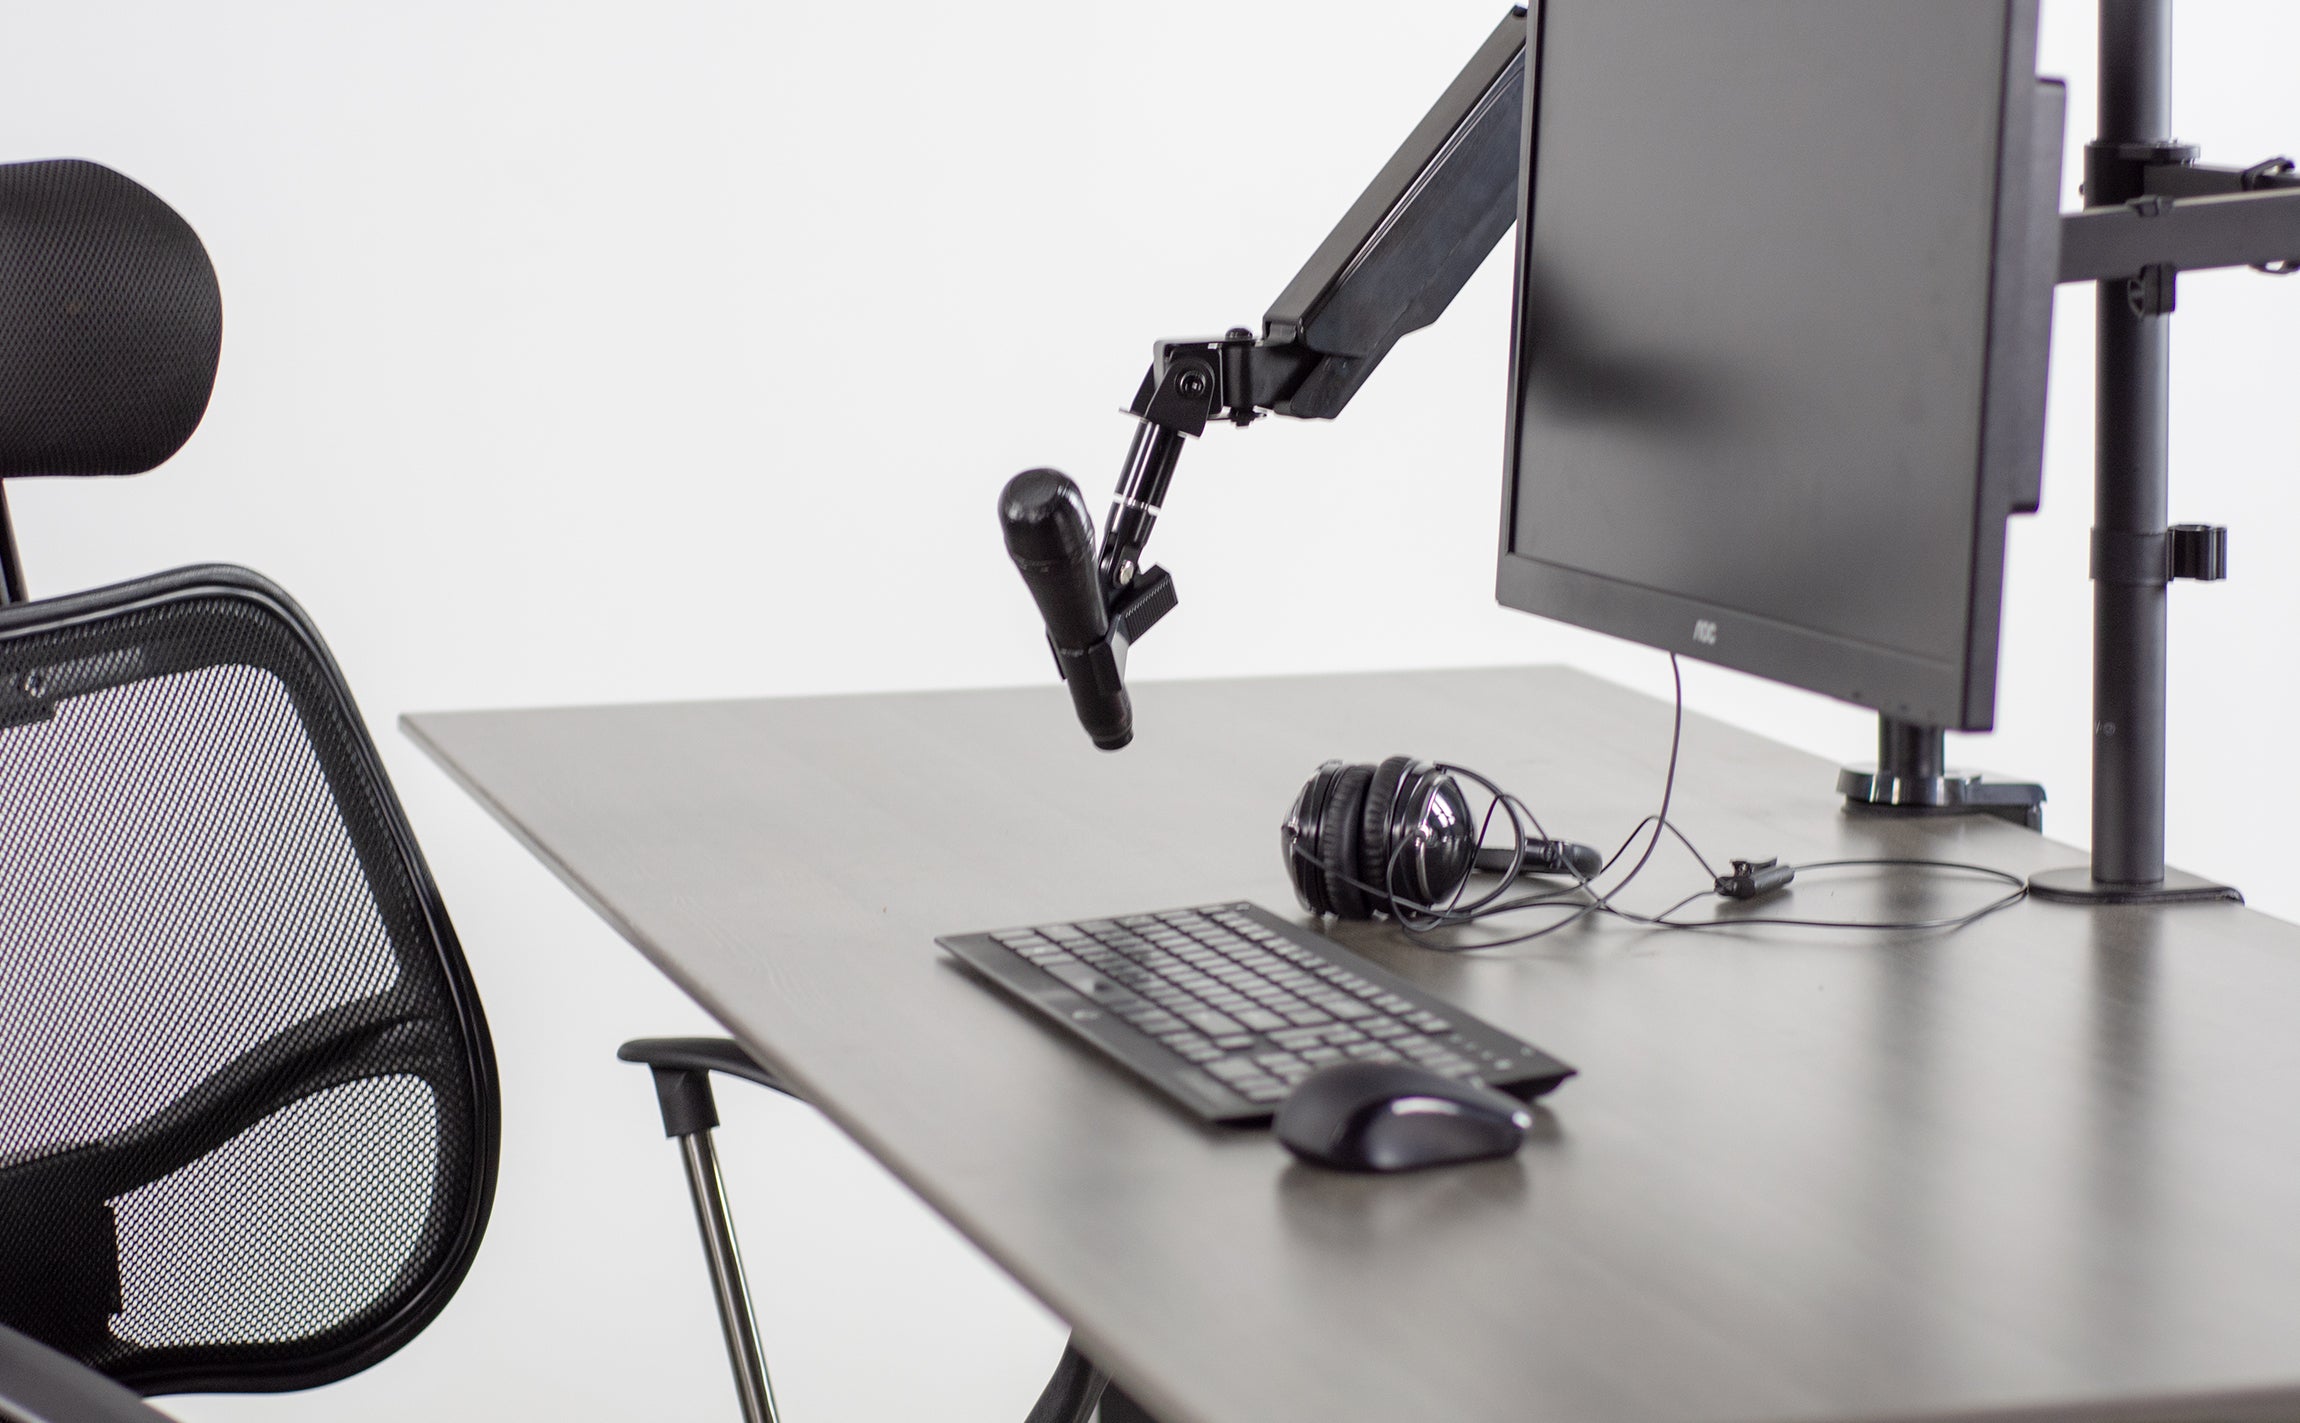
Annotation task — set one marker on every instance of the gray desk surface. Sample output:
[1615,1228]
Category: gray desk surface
[2046,1163]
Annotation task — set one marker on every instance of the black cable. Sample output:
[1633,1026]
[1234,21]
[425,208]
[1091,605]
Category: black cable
[2018,893]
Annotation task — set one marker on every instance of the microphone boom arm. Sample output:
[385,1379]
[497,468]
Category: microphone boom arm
[1392,265]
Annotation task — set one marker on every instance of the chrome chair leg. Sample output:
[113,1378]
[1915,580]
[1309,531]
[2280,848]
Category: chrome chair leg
[682,1069]
[744,1355]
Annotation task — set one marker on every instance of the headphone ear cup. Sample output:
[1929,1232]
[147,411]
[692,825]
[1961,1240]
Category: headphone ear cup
[1388,788]
[1443,847]
[1301,842]
[1338,835]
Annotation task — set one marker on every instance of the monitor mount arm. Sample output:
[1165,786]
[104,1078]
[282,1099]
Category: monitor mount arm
[1392,265]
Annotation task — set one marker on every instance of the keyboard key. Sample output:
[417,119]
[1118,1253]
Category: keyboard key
[1261,1020]
[1213,1024]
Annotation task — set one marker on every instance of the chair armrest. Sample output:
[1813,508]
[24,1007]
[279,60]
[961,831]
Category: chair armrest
[703,1055]
[683,1068]
[39,1385]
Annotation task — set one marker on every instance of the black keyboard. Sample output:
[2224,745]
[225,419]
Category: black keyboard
[1225,1007]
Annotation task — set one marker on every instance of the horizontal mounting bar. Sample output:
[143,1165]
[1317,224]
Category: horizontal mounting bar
[2190,234]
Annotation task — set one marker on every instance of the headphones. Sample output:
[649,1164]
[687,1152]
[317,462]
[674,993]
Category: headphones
[1365,840]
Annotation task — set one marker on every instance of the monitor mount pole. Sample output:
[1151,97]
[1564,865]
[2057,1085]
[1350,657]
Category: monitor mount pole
[2151,211]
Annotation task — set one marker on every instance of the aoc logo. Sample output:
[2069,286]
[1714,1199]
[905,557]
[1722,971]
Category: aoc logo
[1705,632]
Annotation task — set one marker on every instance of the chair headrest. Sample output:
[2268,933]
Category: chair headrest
[110,322]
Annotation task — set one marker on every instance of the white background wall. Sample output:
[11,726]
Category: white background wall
[579,352]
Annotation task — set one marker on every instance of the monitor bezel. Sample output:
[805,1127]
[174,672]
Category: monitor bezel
[2008,455]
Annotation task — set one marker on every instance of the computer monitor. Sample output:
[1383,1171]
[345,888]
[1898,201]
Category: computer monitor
[1784,277]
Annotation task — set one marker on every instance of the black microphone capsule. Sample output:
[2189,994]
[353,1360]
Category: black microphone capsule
[1050,537]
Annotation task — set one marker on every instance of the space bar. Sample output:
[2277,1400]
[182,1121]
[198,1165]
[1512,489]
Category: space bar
[1094,985]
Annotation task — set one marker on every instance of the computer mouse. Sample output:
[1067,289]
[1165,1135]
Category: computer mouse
[1383,1116]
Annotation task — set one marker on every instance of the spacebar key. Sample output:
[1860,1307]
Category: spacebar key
[1095,986]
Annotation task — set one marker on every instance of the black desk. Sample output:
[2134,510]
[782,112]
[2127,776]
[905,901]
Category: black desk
[2049,1163]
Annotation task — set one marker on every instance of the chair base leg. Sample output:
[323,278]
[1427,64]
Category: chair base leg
[717,1226]
[1070,1396]
[1118,1406]
[1080,1392]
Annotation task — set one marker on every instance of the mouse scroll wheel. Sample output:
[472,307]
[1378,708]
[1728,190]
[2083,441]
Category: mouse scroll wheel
[1426,1106]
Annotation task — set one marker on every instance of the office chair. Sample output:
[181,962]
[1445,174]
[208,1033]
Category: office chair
[247,1098]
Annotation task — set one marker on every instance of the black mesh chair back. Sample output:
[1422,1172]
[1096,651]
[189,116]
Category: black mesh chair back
[248,1115]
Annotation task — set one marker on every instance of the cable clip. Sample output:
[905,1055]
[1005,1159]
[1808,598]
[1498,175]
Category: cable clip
[1754,879]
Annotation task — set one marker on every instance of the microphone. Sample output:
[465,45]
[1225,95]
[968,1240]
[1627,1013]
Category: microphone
[1546,857]
[1050,537]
